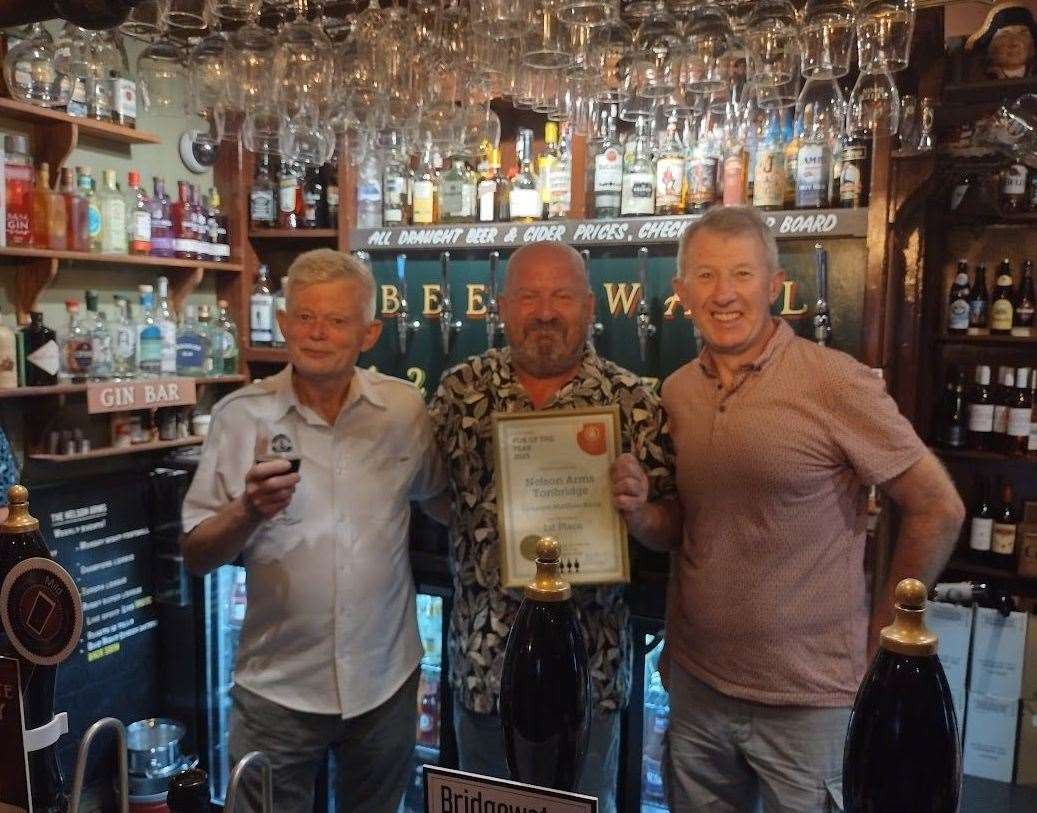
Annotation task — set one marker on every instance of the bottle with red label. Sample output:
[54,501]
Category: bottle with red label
[182,217]
[19,186]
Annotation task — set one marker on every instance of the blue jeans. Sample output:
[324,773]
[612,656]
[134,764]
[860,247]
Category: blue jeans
[480,749]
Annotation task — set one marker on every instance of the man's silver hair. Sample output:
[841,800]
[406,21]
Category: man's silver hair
[731,220]
[328,265]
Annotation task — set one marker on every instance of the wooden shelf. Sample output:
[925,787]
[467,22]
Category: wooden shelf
[1025,585]
[72,389]
[988,91]
[116,133]
[8,254]
[988,339]
[973,454]
[293,234]
[265,355]
[117,451]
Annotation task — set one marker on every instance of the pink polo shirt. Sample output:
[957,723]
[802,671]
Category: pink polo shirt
[768,597]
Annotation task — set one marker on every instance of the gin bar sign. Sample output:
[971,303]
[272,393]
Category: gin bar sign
[148,393]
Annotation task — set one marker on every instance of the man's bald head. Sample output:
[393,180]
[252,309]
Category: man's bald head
[547,306]
[561,257]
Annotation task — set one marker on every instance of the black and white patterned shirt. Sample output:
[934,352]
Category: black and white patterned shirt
[483,610]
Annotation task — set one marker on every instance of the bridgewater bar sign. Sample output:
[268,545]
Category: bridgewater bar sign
[800,224]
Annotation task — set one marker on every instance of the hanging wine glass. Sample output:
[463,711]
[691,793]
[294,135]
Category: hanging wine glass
[307,138]
[710,38]
[31,73]
[826,37]
[501,19]
[210,77]
[144,20]
[607,48]
[657,39]
[188,15]
[822,104]
[545,47]
[250,55]
[770,41]
[303,65]
[874,105]
[480,128]
[229,13]
[161,76]
[585,12]
[261,129]
[884,29]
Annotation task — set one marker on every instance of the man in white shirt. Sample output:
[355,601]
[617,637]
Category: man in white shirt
[329,650]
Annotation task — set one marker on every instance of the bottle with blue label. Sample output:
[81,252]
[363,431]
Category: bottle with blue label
[149,335]
[192,345]
[93,209]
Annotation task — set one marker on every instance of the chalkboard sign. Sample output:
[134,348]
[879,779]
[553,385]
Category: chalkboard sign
[99,532]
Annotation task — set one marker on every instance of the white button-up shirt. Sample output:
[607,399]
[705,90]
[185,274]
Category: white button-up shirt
[330,626]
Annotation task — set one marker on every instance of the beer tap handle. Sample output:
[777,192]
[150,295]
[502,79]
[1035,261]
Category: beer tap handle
[448,326]
[494,326]
[595,328]
[404,325]
[645,329]
[822,317]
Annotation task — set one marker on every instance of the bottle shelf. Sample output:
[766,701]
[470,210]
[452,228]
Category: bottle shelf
[1025,585]
[988,339]
[106,130]
[973,454]
[791,224]
[9,255]
[265,355]
[293,234]
[73,389]
[118,451]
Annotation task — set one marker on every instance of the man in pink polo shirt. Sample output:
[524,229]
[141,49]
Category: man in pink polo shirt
[768,623]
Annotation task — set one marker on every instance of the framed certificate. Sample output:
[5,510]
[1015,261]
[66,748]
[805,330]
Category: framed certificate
[552,478]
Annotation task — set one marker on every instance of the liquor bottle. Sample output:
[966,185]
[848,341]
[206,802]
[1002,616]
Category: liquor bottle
[736,165]
[192,346]
[77,354]
[161,226]
[670,198]
[18,190]
[279,304]
[1031,447]
[181,217]
[217,229]
[138,216]
[57,232]
[261,305]
[1002,312]
[331,195]
[960,197]
[608,173]
[289,195]
[425,199]
[813,166]
[312,195]
[396,180]
[206,328]
[96,324]
[958,308]
[42,356]
[166,321]
[263,196]
[558,184]
[702,173]
[793,137]
[975,594]
[979,302]
[1001,394]
[545,163]
[855,175]
[1006,521]
[639,177]
[123,92]
[902,749]
[1024,303]
[189,792]
[1013,189]
[545,685]
[1020,408]
[369,192]
[124,341]
[113,215]
[492,192]
[953,414]
[93,208]
[199,221]
[769,170]
[981,411]
[41,208]
[456,191]
[149,335]
[77,227]
[524,201]
[228,341]
[45,585]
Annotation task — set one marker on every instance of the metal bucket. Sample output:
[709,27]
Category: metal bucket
[153,747]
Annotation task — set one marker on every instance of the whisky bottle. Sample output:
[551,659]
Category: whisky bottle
[981,411]
[426,190]
[1024,303]
[524,200]
[769,180]
[1001,308]
[263,196]
[902,749]
[958,309]
[855,175]
[545,698]
[289,196]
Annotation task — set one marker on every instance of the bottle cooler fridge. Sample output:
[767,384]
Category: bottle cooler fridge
[224,611]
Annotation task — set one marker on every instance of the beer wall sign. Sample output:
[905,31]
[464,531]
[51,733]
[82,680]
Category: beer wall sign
[798,224]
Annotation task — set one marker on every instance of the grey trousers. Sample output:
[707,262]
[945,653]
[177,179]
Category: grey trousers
[735,756]
[480,749]
[373,752]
